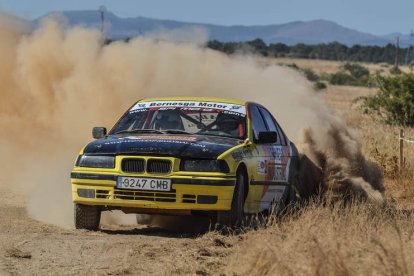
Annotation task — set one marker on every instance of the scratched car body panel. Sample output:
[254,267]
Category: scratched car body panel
[198,146]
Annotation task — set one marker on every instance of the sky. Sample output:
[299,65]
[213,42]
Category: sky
[372,16]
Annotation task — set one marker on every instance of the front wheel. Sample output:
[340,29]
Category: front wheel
[87,217]
[234,217]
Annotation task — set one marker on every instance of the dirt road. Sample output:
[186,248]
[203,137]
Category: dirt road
[28,247]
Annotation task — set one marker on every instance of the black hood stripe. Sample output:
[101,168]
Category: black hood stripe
[93,176]
[203,182]
[180,146]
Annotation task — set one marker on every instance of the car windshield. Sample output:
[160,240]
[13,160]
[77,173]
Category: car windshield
[181,117]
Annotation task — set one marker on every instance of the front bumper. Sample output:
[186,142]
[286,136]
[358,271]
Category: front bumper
[189,192]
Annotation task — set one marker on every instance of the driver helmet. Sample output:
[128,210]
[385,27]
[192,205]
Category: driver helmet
[229,123]
[168,119]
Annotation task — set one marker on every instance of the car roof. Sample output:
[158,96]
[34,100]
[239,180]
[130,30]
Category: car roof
[198,99]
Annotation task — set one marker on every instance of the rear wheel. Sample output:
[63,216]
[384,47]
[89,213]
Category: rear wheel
[87,217]
[234,217]
[287,202]
[293,194]
[293,201]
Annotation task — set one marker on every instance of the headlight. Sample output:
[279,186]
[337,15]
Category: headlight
[92,161]
[204,166]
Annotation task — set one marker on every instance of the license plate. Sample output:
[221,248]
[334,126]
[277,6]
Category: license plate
[146,184]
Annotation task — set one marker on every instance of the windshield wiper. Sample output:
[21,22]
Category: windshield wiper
[140,131]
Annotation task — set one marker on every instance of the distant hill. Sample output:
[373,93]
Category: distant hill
[308,32]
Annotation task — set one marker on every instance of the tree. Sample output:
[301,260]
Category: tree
[259,46]
[329,51]
[356,70]
[394,101]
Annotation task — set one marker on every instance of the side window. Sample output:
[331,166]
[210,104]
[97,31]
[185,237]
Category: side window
[281,134]
[273,126]
[258,124]
[270,123]
[268,119]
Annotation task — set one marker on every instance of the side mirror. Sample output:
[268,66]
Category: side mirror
[98,132]
[266,137]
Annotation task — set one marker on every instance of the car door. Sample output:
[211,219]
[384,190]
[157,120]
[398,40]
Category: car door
[276,157]
[256,162]
[266,165]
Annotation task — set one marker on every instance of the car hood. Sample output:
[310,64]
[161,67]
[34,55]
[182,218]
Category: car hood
[182,146]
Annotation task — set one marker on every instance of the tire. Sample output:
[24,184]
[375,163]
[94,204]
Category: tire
[87,217]
[293,196]
[279,208]
[294,200]
[287,203]
[234,217]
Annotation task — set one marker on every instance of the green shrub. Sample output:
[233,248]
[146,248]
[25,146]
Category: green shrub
[356,70]
[341,78]
[310,74]
[325,76]
[395,70]
[394,101]
[319,86]
[293,66]
[351,74]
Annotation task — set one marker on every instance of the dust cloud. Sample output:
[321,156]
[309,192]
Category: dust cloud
[57,83]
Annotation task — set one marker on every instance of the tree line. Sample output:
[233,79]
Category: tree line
[326,51]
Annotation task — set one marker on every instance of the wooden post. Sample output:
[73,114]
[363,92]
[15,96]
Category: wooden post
[397,53]
[401,149]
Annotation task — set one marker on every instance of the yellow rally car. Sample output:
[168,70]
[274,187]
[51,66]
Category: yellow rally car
[186,156]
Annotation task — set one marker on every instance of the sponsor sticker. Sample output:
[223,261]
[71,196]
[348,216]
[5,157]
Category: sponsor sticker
[162,137]
[229,108]
[261,166]
[133,139]
[275,151]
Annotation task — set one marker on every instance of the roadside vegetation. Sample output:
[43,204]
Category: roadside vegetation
[324,51]
[394,101]
[352,74]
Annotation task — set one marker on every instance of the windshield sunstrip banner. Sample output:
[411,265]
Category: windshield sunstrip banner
[190,104]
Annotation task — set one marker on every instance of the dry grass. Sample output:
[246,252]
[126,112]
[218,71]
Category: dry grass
[321,240]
